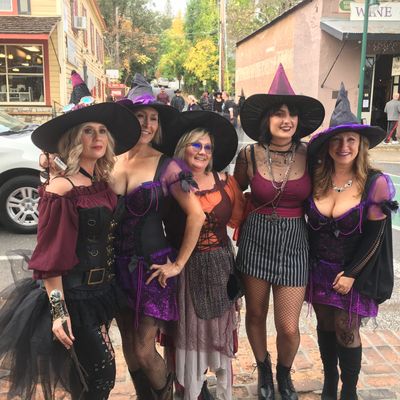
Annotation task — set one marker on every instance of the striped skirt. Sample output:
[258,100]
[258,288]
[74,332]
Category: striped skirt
[274,250]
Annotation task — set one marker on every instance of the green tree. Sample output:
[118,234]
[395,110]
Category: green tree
[174,47]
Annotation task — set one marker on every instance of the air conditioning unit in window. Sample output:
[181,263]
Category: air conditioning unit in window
[79,22]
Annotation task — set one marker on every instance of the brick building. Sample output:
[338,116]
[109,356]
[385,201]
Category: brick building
[41,41]
[319,44]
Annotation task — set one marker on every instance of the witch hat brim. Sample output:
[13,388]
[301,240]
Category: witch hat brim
[167,116]
[222,131]
[120,122]
[374,134]
[311,112]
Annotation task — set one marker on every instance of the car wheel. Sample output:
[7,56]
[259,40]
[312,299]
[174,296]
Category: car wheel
[19,200]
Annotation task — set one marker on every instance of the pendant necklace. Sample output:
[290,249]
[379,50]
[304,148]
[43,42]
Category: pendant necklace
[85,173]
[340,189]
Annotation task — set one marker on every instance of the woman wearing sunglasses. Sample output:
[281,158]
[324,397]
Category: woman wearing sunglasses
[205,333]
[146,263]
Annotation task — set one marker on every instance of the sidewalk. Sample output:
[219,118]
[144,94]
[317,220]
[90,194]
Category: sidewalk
[379,379]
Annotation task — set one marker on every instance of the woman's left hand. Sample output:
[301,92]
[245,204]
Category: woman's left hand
[163,272]
[342,284]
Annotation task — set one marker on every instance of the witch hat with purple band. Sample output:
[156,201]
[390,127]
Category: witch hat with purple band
[311,111]
[343,120]
[141,96]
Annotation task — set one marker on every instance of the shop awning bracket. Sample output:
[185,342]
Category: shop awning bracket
[333,64]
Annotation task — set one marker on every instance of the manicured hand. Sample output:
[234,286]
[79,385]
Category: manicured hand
[342,284]
[66,338]
[163,272]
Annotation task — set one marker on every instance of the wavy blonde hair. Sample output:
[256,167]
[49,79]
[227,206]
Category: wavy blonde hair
[70,149]
[190,137]
[323,171]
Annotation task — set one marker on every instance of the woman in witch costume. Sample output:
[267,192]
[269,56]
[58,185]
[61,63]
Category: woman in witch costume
[73,295]
[147,265]
[205,336]
[350,242]
[273,245]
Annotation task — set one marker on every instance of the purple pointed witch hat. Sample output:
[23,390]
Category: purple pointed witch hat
[141,96]
[343,120]
[311,111]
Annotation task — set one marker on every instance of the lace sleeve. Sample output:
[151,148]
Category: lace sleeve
[380,198]
[241,167]
[175,173]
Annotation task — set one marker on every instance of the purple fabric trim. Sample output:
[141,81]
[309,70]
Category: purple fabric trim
[145,98]
[350,127]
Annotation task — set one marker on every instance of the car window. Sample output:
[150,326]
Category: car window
[9,123]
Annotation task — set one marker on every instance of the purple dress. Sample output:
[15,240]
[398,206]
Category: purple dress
[334,243]
[141,242]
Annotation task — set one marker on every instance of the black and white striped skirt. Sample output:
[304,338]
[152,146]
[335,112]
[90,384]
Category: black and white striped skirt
[274,250]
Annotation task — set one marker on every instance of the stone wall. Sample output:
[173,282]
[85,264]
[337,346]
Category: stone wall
[30,114]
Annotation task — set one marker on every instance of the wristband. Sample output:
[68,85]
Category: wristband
[58,306]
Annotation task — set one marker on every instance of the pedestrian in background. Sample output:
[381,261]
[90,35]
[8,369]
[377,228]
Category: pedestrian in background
[392,109]
[273,244]
[350,232]
[229,109]
[79,88]
[206,101]
[163,97]
[218,102]
[178,101]
[193,104]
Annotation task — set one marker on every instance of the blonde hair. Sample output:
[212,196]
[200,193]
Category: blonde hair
[190,137]
[192,98]
[70,149]
[322,176]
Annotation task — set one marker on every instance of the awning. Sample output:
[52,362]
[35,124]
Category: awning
[13,27]
[343,29]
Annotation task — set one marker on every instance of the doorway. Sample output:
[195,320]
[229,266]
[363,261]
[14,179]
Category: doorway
[382,89]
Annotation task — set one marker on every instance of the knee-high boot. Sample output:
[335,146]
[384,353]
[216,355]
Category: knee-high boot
[265,380]
[142,385]
[166,393]
[327,350]
[350,366]
[285,384]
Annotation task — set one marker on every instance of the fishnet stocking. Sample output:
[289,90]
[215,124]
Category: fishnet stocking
[140,350]
[287,307]
[346,327]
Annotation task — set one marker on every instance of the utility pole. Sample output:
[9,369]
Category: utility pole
[116,38]
[222,40]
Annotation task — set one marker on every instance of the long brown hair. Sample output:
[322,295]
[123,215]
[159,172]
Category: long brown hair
[325,168]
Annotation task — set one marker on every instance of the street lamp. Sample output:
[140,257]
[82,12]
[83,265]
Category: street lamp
[367,5]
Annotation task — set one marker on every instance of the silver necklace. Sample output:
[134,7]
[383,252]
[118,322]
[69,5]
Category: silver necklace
[340,189]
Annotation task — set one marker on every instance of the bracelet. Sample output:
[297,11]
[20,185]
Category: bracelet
[58,306]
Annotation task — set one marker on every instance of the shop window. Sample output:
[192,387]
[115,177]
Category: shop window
[6,5]
[73,6]
[368,75]
[21,74]
[85,34]
[92,46]
[24,7]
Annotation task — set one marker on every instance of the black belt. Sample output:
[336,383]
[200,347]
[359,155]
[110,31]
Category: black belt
[93,278]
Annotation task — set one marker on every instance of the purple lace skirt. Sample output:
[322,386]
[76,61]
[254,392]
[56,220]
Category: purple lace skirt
[151,300]
[320,291]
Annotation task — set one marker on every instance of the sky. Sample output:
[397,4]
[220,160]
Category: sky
[177,5]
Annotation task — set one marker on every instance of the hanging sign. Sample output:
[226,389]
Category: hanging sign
[383,12]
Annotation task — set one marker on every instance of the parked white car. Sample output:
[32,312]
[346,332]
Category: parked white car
[19,176]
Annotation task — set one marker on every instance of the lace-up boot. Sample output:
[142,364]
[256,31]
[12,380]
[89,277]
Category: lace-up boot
[285,384]
[265,380]
[350,366]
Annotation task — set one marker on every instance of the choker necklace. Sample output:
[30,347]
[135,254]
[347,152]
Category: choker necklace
[340,189]
[280,145]
[85,173]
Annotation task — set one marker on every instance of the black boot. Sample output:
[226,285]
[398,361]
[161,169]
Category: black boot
[142,385]
[265,380]
[350,366]
[285,384]
[166,393]
[205,393]
[327,350]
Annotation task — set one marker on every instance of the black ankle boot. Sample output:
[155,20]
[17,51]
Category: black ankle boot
[205,393]
[166,393]
[142,385]
[350,366]
[265,380]
[285,384]
[327,350]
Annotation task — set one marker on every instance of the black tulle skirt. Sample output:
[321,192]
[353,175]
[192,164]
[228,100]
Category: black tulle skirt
[36,365]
